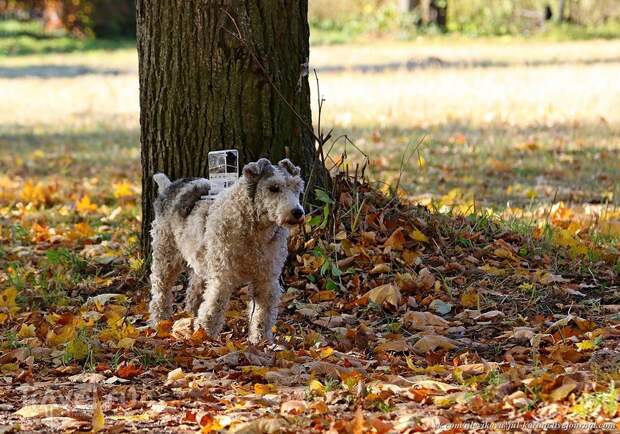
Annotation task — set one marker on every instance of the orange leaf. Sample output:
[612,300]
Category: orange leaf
[128,370]
[396,240]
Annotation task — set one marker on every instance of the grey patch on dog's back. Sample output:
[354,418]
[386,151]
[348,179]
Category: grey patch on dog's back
[166,198]
[188,197]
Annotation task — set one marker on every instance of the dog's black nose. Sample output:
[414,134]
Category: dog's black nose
[297,213]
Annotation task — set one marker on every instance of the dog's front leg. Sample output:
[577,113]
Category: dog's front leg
[195,291]
[213,308]
[165,268]
[263,310]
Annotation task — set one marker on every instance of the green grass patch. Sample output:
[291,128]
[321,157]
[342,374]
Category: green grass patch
[23,38]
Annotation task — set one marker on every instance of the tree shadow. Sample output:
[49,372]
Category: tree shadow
[100,151]
[499,164]
[55,71]
[438,63]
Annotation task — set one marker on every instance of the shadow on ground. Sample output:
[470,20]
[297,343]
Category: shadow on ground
[436,62]
[499,164]
[98,152]
[55,71]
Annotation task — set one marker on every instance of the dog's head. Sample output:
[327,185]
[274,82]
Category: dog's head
[275,191]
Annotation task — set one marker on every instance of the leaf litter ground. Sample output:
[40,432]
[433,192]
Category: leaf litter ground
[394,319]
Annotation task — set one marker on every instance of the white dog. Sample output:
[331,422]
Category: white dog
[240,238]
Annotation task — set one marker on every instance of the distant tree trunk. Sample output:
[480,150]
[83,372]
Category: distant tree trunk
[408,5]
[431,11]
[202,89]
[561,7]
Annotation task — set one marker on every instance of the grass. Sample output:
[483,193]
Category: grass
[508,124]
[19,38]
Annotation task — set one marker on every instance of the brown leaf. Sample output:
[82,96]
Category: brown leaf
[380,269]
[293,407]
[396,241]
[264,425]
[387,293]
[41,410]
[432,342]
[320,296]
[397,345]
[422,320]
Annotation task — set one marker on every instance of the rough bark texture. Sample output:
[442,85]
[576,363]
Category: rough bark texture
[202,89]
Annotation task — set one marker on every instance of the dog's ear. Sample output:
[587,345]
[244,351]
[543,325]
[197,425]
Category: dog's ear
[254,171]
[287,165]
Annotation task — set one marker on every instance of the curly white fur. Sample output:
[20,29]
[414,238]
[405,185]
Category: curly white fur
[239,239]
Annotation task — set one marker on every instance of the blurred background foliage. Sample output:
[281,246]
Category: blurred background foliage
[342,20]
[332,21]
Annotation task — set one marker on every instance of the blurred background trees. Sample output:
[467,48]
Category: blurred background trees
[339,20]
[99,18]
[343,18]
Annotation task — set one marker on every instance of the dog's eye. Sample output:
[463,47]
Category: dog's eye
[274,189]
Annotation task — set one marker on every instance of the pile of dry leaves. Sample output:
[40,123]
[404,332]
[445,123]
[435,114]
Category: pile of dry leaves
[394,319]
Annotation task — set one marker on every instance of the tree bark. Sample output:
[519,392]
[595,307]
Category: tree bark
[203,89]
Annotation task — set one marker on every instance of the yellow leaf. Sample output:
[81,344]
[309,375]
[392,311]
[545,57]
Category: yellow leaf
[77,349]
[562,392]
[264,389]
[494,271]
[176,374]
[451,399]
[122,190]
[503,253]
[85,206]
[387,293]
[82,230]
[98,421]
[65,334]
[417,235]
[7,300]
[326,352]
[316,387]
[126,343]
[33,193]
[470,298]
[586,345]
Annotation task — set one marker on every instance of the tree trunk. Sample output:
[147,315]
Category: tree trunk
[203,89]
[431,11]
[561,7]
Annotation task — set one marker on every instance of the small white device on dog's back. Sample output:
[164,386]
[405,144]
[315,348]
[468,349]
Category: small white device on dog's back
[223,171]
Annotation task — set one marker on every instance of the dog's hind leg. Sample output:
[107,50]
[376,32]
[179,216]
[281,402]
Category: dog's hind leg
[195,291]
[263,310]
[213,308]
[165,268]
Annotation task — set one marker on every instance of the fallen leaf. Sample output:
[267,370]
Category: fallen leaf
[432,342]
[98,420]
[387,293]
[440,306]
[41,410]
[396,241]
[293,407]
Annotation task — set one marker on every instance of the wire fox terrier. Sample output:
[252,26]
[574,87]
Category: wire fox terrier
[238,239]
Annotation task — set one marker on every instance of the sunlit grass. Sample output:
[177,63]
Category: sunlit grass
[509,136]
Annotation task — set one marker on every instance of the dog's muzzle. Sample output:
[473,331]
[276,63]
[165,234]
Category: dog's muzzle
[297,216]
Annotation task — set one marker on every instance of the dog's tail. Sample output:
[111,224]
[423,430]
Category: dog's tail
[162,182]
